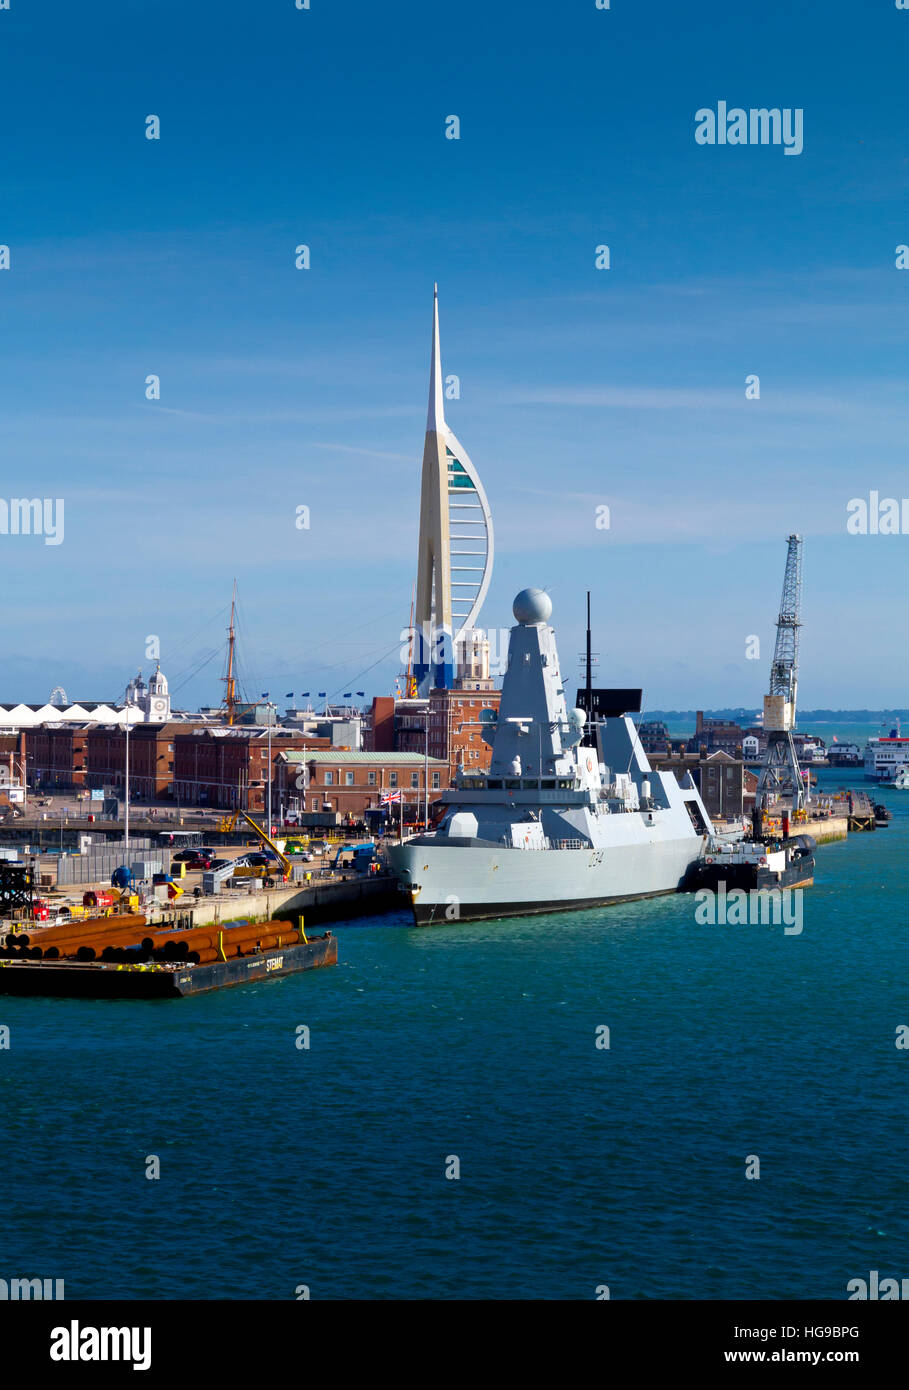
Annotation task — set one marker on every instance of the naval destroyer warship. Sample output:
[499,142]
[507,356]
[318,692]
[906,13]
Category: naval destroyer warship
[554,824]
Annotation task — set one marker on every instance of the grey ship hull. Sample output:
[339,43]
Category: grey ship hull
[471,881]
[553,825]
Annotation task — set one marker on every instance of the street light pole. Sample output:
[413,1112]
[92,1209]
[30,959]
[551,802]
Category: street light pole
[426,773]
[126,790]
[270,708]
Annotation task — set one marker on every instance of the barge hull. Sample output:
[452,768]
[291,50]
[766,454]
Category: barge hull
[97,980]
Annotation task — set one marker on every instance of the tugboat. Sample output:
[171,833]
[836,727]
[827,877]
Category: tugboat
[749,864]
[554,824]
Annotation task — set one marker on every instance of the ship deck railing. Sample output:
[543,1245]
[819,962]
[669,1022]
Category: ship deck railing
[571,843]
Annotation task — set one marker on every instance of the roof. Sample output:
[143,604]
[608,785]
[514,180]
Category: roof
[338,755]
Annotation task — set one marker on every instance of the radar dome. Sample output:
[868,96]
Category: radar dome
[532,606]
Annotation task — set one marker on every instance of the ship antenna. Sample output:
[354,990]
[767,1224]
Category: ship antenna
[589,693]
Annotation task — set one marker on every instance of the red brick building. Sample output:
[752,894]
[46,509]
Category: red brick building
[191,764]
[455,732]
[350,783]
[151,759]
[228,767]
[57,755]
[455,727]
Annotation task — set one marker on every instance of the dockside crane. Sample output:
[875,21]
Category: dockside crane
[781,777]
[229,823]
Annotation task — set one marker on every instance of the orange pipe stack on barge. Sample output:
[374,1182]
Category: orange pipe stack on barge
[125,957]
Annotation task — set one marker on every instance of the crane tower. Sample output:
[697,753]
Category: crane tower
[781,776]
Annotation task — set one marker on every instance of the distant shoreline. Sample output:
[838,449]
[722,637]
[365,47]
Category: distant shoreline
[814,716]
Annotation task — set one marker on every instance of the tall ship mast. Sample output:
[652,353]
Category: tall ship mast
[229,703]
[554,824]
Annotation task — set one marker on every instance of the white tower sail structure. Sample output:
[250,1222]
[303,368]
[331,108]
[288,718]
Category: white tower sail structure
[454,561]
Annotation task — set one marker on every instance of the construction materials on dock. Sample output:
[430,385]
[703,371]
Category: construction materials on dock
[161,980]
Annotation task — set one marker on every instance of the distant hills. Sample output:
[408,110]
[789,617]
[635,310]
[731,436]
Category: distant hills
[747,715]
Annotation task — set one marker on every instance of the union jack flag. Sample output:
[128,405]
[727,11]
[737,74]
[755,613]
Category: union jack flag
[387,797]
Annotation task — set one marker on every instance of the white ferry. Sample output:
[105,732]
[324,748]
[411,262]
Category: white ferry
[885,758]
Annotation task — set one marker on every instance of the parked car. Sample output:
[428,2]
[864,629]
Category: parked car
[262,858]
[219,863]
[193,858]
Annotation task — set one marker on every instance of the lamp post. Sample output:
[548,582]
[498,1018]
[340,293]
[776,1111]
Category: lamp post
[426,772]
[126,789]
[271,707]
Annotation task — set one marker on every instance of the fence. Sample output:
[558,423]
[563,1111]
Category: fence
[97,868]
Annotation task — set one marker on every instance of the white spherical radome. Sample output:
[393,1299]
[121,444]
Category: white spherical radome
[532,606]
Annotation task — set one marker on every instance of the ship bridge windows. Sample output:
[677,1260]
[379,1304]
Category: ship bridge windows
[548,784]
[495,784]
[512,783]
[565,784]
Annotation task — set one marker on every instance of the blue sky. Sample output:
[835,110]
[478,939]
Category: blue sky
[579,387]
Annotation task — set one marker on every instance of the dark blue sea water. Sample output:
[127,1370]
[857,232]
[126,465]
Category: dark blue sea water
[578,1166]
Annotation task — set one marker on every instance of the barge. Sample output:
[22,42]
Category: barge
[155,979]
[125,957]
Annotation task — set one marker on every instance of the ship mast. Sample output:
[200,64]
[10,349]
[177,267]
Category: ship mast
[589,676]
[589,740]
[410,683]
[230,691]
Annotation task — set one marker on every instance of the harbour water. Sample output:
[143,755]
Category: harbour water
[282,1166]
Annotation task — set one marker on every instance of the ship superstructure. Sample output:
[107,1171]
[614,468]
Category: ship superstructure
[553,824]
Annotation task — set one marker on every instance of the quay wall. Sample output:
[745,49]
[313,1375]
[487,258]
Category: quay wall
[329,900]
[824,831]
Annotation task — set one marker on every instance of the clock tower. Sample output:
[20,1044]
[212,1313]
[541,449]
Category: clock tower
[157,699]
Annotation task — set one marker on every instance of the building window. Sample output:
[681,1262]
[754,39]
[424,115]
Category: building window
[329,778]
[435,781]
[315,803]
[415,779]
[392,779]
[371,778]
[348,779]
